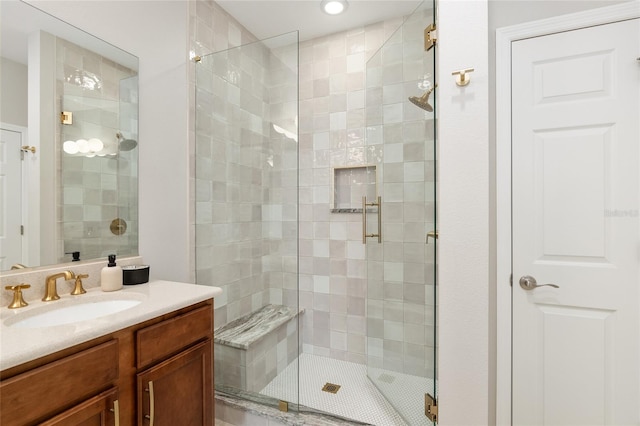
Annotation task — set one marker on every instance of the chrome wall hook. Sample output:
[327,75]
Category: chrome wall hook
[462,79]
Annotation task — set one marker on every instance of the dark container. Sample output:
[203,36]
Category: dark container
[135,274]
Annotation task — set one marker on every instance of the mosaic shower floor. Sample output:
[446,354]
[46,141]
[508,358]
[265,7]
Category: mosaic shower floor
[358,398]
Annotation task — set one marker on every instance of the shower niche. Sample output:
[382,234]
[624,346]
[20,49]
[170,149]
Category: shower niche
[349,184]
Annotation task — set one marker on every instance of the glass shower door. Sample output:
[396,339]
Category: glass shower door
[246,214]
[401,290]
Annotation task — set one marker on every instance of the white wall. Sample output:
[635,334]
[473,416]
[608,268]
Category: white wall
[156,32]
[464,358]
[13,92]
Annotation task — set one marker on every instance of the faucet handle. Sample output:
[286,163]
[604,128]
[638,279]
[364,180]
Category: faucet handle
[78,289]
[18,300]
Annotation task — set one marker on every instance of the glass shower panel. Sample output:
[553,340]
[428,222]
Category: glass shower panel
[401,328]
[128,152]
[246,212]
[98,194]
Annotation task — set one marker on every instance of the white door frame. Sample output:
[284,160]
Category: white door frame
[30,199]
[504,38]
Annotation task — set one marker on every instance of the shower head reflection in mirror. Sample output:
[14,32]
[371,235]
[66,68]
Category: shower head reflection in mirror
[125,144]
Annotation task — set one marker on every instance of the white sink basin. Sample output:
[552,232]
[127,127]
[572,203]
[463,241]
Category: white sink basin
[52,315]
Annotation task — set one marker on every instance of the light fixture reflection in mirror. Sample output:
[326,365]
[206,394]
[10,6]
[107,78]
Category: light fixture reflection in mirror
[89,148]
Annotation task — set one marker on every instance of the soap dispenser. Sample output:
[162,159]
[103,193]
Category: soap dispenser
[111,275]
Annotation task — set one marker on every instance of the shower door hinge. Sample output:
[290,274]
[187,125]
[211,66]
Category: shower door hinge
[21,229]
[430,37]
[66,117]
[430,407]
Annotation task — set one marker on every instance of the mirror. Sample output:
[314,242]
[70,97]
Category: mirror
[69,145]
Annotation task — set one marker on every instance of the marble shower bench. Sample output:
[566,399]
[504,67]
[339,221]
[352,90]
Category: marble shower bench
[251,350]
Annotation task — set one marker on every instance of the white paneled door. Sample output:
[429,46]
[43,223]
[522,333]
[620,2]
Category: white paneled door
[576,196]
[10,198]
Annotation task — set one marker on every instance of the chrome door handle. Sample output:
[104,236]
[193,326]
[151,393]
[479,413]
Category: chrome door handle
[527,282]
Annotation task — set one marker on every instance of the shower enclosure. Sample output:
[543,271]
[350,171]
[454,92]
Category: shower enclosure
[302,296]
[401,287]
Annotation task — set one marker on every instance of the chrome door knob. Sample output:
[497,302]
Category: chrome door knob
[527,282]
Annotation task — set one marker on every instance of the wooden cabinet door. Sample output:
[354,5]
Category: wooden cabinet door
[101,410]
[178,391]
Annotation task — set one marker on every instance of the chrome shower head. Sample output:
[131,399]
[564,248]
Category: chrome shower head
[423,101]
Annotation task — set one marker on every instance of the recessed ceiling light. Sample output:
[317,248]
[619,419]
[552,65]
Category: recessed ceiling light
[334,7]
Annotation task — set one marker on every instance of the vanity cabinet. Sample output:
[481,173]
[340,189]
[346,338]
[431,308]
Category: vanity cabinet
[161,369]
[178,389]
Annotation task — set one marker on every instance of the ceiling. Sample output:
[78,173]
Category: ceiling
[263,18]
[268,18]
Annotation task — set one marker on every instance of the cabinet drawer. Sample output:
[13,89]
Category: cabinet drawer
[99,410]
[161,340]
[42,392]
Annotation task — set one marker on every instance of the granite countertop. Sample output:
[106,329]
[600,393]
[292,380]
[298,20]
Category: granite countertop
[23,344]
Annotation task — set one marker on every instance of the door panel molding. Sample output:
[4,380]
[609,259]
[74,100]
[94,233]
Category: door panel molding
[504,38]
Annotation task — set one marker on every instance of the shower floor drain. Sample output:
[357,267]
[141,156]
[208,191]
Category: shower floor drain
[331,388]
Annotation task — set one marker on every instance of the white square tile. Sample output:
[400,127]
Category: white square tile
[338,231]
[321,248]
[393,153]
[355,62]
[414,171]
[321,284]
[393,271]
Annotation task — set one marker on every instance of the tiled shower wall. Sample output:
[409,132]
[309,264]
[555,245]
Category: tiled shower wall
[93,191]
[213,30]
[280,203]
[333,286]
[231,136]
[246,166]
[401,300]
[332,264]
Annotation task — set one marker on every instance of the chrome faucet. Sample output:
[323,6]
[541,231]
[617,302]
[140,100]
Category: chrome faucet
[50,291]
